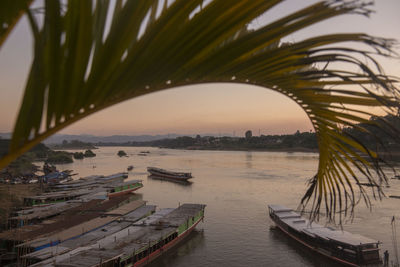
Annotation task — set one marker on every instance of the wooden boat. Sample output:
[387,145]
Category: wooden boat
[178,176]
[134,244]
[70,224]
[112,186]
[125,188]
[341,246]
[88,238]
[178,182]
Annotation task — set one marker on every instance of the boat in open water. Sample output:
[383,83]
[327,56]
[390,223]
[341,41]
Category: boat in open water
[341,246]
[177,176]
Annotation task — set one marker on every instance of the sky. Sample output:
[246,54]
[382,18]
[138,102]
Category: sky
[198,109]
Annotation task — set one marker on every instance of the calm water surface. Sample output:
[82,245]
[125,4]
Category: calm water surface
[236,187]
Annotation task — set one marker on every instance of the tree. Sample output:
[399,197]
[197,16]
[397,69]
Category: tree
[78,155]
[89,154]
[248,134]
[79,69]
[122,153]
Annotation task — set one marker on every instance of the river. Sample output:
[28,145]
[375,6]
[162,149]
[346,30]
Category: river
[236,186]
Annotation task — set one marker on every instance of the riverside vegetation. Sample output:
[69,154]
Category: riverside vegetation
[88,154]
[23,165]
[294,142]
[73,144]
[302,142]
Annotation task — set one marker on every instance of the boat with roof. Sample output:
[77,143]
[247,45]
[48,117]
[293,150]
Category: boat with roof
[161,173]
[341,246]
[131,241]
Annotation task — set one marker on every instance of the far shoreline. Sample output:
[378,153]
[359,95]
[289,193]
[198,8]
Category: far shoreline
[289,150]
[295,149]
[394,154]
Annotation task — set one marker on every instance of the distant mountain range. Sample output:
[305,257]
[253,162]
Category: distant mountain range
[87,138]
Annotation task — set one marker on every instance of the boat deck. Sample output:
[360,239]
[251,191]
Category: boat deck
[72,217]
[313,229]
[92,236]
[43,212]
[94,187]
[129,241]
[84,227]
[180,215]
[139,239]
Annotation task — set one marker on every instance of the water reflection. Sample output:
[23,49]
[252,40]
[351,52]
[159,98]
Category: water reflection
[249,160]
[176,255]
[307,255]
[183,183]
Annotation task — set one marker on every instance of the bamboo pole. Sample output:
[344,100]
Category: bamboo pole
[394,240]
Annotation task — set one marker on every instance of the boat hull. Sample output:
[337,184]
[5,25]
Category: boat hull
[316,249]
[320,241]
[166,247]
[171,177]
[179,181]
[116,194]
[160,173]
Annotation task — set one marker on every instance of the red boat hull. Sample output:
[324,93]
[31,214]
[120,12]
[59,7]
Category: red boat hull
[116,194]
[163,249]
[316,250]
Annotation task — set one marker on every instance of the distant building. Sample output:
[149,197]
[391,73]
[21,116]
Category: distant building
[248,134]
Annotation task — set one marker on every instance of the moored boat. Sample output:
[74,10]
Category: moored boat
[133,245]
[71,223]
[112,185]
[125,188]
[341,246]
[72,246]
[178,176]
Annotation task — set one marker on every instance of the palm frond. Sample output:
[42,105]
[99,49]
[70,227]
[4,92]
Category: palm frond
[80,67]
[10,12]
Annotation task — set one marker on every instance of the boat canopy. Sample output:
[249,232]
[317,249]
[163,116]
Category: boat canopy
[341,236]
[294,220]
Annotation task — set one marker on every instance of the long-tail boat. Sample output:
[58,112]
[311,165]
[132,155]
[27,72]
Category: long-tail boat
[134,245]
[341,246]
[177,176]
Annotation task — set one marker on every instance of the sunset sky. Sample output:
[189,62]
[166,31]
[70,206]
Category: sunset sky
[211,108]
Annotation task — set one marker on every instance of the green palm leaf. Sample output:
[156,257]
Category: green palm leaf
[10,12]
[80,67]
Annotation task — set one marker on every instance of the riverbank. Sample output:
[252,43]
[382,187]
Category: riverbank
[290,150]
